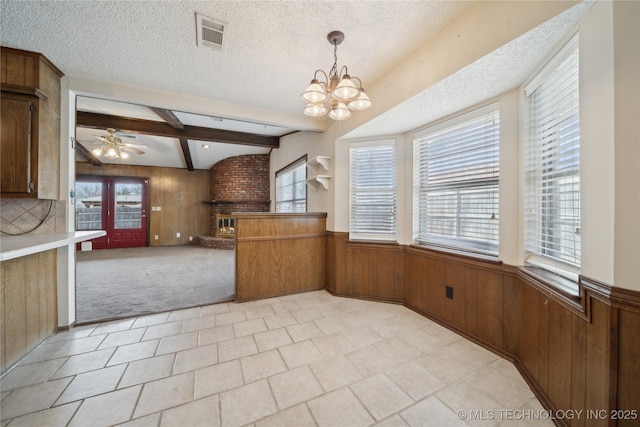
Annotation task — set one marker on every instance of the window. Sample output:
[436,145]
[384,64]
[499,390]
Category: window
[291,187]
[552,203]
[456,174]
[373,190]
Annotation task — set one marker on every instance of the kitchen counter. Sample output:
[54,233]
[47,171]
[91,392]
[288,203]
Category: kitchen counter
[18,246]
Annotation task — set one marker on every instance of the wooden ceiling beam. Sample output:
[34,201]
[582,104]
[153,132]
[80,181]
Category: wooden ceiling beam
[184,144]
[169,117]
[149,127]
[84,152]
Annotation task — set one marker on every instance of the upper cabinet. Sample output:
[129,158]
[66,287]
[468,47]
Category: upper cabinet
[30,122]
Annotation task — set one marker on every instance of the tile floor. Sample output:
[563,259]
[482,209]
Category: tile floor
[304,360]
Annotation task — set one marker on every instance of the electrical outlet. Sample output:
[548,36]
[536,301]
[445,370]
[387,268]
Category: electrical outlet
[156,237]
[449,292]
[191,238]
[158,208]
[177,234]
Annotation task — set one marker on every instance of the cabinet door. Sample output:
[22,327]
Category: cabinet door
[18,152]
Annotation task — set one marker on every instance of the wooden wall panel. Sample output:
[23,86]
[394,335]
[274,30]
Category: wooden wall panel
[578,366]
[436,288]
[490,307]
[455,277]
[279,254]
[375,271]
[511,312]
[178,192]
[597,359]
[28,307]
[629,364]
[559,355]
[530,303]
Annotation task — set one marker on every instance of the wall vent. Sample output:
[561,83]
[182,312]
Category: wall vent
[211,32]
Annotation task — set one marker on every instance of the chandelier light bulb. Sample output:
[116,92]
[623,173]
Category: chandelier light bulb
[111,152]
[361,103]
[315,93]
[340,112]
[315,110]
[346,90]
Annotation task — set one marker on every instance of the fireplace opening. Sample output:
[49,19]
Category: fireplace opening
[226,226]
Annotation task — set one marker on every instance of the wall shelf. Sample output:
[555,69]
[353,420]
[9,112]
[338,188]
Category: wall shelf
[322,161]
[319,180]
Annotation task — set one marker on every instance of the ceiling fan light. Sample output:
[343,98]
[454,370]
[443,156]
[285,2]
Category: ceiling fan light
[111,152]
[314,94]
[124,155]
[97,151]
[361,103]
[346,89]
[340,112]
[315,110]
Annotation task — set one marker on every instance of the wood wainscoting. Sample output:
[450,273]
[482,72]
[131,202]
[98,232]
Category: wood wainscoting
[579,353]
[28,304]
[279,254]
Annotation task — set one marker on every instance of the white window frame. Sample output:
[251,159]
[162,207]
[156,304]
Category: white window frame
[467,233]
[290,170]
[538,253]
[386,228]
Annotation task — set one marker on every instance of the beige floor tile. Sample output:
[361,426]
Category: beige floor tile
[177,343]
[330,324]
[333,345]
[35,373]
[304,331]
[201,413]
[300,354]
[208,310]
[461,397]
[262,365]
[508,392]
[397,349]
[280,320]
[284,306]
[293,387]
[393,421]
[242,306]
[370,361]
[259,311]
[199,323]
[40,353]
[246,404]
[58,416]
[107,409]
[307,314]
[196,358]
[151,320]
[165,393]
[230,318]
[116,339]
[92,383]
[297,416]
[145,370]
[77,346]
[217,334]
[272,339]
[131,352]
[471,353]
[442,366]
[381,396]
[84,363]
[267,301]
[431,412]
[189,313]
[415,380]
[362,337]
[506,368]
[236,348]
[218,378]
[249,327]
[115,326]
[339,408]
[32,398]
[152,420]
[161,331]
[335,373]
[71,334]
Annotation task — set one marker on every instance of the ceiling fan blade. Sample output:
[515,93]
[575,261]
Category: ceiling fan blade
[137,144]
[127,135]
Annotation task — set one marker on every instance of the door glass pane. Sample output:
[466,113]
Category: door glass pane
[128,206]
[89,205]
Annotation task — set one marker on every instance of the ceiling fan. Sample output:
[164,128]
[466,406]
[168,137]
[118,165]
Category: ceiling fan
[113,147]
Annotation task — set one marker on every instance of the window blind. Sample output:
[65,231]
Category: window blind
[456,176]
[373,190]
[291,188]
[552,204]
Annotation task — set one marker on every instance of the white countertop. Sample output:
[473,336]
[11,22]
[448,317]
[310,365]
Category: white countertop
[17,246]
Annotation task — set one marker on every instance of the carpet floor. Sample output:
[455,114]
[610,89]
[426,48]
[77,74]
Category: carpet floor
[119,283]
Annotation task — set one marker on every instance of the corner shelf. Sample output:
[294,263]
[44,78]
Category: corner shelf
[319,180]
[317,165]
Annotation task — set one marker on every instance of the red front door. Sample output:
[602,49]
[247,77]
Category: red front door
[116,205]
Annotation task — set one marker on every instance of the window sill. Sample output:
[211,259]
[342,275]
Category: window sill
[463,254]
[557,287]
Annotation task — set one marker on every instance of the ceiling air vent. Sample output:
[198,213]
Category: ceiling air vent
[211,32]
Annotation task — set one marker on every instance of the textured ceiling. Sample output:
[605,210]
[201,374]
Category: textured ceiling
[273,48]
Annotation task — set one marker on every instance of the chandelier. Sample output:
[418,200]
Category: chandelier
[337,94]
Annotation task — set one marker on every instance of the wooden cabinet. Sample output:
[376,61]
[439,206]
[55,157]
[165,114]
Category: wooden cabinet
[30,125]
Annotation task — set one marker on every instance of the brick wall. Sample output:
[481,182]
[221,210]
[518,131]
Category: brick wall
[239,184]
